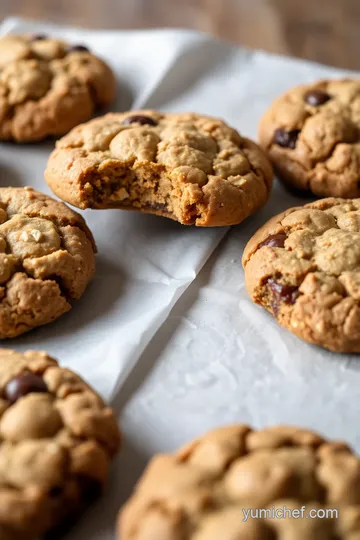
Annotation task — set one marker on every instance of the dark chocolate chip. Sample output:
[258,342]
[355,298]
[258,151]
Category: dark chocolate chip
[78,48]
[286,139]
[90,491]
[274,240]
[38,37]
[281,293]
[316,97]
[24,384]
[140,119]
[56,491]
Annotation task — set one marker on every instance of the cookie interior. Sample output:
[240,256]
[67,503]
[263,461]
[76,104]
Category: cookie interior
[193,169]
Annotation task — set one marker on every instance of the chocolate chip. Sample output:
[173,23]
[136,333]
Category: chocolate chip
[78,48]
[316,97]
[38,37]
[140,119]
[286,139]
[274,240]
[24,384]
[56,491]
[281,293]
[91,489]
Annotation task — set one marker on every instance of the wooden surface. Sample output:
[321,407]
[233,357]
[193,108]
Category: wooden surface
[322,30]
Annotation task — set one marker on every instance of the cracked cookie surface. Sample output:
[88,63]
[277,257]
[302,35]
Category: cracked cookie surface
[312,136]
[199,492]
[47,257]
[48,86]
[190,168]
[57,438]
[304,267]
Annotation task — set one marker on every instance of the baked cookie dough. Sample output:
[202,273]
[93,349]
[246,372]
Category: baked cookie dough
[205,490]
[311,135]
[47,257]
[304,267]
[48,86]
[190,168]
[57,438]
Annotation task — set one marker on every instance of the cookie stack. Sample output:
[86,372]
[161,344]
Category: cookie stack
[57,436]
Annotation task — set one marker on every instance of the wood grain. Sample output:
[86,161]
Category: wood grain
[321,30]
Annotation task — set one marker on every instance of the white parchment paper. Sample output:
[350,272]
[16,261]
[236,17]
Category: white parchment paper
[166,330]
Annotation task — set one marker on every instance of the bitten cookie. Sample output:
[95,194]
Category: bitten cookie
[57,438]
[311,135]
[206,490]
[47,257]
[48,86]
[304,267]
[190,168]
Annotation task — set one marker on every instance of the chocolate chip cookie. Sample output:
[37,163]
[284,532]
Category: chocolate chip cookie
[304,267]
[312,136]
[57,438]
[47,257]
[206,489]
[48,86]
[190,168]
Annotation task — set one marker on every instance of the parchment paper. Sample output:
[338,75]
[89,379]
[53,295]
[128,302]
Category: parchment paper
[166,330]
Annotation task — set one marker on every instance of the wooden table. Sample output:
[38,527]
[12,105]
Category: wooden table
[322,30]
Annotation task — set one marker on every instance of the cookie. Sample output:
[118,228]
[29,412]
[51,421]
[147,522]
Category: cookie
[206,489]
[190,168]
[57,438]
[48,86]
[311,135]
[304,267]
[47,257]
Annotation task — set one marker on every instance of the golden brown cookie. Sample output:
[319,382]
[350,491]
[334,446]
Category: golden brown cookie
[311,135]
[48,86]
[206,490]
[190,168]
[304,267]
[57,438]
[47,257]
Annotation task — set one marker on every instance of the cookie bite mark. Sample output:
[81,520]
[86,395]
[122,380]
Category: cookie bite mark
[48,86]
[310,280]
[57,441]
[45,263]
[312,136]
[187,167]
